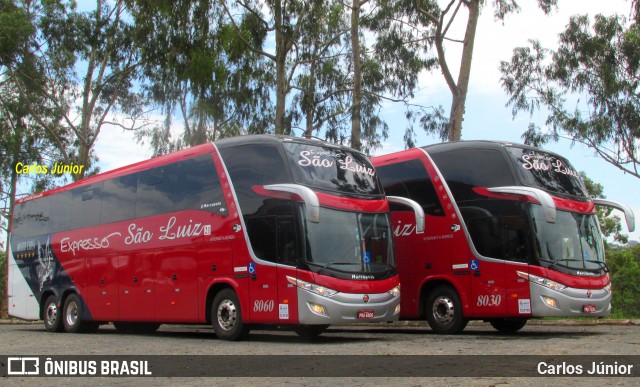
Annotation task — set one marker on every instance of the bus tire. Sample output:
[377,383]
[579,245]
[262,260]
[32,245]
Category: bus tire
[52,315]
[444,311]
[508,325]
[226,316]
[72,317]
[136,327]
[310,332]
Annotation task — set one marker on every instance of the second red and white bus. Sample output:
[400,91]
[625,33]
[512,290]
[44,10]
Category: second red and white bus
[243,231]
[510,234]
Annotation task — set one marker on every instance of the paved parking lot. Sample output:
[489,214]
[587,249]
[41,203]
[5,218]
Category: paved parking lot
[413,339]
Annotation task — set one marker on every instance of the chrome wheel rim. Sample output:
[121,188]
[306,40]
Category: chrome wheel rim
[443,310]
[51,313]
[227,315]
[72,314]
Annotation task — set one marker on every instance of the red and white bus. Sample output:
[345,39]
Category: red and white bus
[247,230]
[510,234]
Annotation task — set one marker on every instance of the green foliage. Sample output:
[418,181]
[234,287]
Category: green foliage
[625,281]
[198,65]
[598,62]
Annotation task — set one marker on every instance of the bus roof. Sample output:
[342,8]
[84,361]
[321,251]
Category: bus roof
[182,154]
[127,169]
[479,144]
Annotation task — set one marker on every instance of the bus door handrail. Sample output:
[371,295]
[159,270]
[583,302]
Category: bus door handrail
[417,210]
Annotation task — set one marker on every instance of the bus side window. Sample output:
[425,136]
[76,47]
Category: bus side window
[32,218]
[199,187]
[119,198]
[156,191]
[410,179]
[60,212]
[86,206]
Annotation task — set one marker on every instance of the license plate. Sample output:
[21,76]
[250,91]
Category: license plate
[589,308]
[365,314]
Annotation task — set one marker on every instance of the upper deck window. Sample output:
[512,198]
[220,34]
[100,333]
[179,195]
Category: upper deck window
[465,169]
[547,171]
[332,169]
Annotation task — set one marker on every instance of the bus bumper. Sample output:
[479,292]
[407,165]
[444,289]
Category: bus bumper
[347,308]
[569,302]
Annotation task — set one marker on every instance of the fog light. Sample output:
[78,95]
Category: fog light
[397,309]
[550,301]
[318,309]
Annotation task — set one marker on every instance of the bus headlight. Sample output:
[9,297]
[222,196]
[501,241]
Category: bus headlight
[395,292]
[541,281]
[552,302]
[313,288]
[318,309]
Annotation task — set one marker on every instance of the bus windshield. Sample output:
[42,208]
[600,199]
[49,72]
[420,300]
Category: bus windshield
[353,243]
[574,241]
[332,168]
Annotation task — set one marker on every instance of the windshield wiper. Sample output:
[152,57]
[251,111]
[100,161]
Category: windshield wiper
[604,266]
[334,263]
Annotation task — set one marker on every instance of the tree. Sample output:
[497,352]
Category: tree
[197,62]
[596,69]
[322,83]
[390,48]
[625,281]
[285,19]
[98,45]
[440,21]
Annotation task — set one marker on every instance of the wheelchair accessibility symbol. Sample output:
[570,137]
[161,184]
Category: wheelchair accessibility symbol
[474,264]
[252,268]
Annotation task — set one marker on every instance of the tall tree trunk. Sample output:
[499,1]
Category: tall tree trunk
[4,305]
[357,75]
[308,103]
[281,75]
[460,95]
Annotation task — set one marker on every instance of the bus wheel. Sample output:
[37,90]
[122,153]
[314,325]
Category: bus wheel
[226,316]
[52,315]
[310,332]
[136,327]
[71,317]
[444,311]
[508,325]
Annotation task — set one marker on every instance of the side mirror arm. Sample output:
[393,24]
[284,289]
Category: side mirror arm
[628,212]
[312,204]
[417,209]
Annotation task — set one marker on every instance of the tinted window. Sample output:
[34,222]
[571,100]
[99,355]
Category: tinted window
[274,233]
[32,218]
[465,169]
[119,198]
[410,179]
[199,187]
[86,206]
[332,169]
[547,171]
[251,165]
[156,191]
[498,228]
[60,212]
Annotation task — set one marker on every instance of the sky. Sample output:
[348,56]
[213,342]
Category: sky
[486,117]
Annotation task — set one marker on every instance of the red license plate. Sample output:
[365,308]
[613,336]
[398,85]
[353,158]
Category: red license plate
[365,314]
[588,308]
